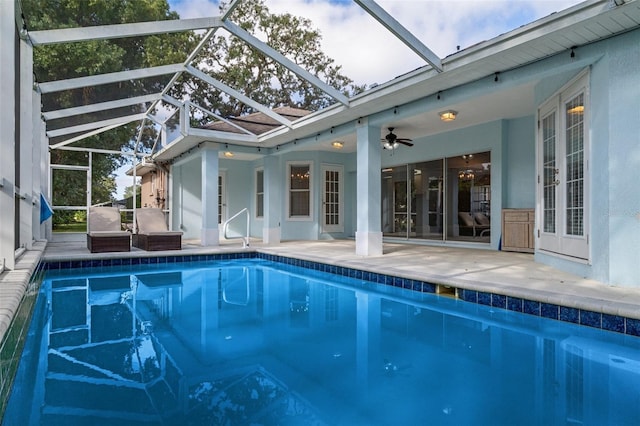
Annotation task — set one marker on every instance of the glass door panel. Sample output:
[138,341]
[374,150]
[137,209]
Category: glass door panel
[469,197]
[332,199]
[427,200]
[419,201]
[395,202]
[562,175]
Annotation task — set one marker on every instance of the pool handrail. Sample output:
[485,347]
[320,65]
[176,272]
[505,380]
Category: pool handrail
[245,239]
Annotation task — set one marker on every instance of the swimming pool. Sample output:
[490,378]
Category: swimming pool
[252,341]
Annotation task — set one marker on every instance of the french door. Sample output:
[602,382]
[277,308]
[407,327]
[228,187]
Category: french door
[332,198]
[563,172]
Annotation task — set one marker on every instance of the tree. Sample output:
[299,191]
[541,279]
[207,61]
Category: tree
[239,65]
[128,191]
[128,196]
[226,58]
[63,61]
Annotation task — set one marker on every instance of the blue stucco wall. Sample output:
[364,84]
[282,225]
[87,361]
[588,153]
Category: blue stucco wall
[187,198]
[519,165]
[614,231]
[239,194]
[614,157]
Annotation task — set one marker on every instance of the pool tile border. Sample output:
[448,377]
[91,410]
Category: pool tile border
[604,321]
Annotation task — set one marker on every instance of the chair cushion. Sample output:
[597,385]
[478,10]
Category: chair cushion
[151,220]
[465,218]
[482,219]
[104,219]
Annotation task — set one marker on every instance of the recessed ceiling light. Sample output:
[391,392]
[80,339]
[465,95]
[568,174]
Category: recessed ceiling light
[448,115]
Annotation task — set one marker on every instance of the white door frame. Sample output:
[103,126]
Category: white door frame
[558,176]
[330,207]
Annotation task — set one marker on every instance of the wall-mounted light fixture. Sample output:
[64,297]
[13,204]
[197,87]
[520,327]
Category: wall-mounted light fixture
[337,144]
[228,154]
[448,115]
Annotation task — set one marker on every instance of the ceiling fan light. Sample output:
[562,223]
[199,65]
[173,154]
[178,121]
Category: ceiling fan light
[448,115]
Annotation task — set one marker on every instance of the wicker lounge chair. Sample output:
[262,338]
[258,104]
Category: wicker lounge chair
[153,233]
[105,233]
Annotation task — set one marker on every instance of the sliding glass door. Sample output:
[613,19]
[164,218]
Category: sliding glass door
[469,197]
[421,201]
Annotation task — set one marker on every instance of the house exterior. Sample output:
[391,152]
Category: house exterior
[153,184]
[527,141]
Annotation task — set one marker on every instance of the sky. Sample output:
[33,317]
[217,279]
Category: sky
[369,54]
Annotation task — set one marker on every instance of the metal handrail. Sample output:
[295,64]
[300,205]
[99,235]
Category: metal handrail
[245,239]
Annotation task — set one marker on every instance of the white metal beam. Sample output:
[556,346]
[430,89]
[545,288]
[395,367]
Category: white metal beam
[390,23]
[237,95]
[83,136]
[95,125]
[190,58]
[218,136]
[103,32]
[114,77]
[286,62]
[86,109]
[99,151]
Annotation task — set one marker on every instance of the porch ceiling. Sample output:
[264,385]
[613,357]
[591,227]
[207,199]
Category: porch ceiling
[580,25]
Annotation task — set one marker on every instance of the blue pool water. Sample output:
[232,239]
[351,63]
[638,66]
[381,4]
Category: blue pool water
[255,342]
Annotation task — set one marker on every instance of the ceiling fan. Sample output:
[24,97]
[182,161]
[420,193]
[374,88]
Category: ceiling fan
[391,141]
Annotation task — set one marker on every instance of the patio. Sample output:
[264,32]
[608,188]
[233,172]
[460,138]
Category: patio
[512,274]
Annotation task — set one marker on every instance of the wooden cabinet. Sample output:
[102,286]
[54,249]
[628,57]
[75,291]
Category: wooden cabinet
[517,230]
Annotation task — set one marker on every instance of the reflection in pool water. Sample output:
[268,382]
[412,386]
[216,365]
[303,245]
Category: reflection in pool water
[248,342]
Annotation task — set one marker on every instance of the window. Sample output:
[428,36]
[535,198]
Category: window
[259,193]
[299,183]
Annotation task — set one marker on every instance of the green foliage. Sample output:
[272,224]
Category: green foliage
[226,58]
[71,60]
[128,191]
[232,61]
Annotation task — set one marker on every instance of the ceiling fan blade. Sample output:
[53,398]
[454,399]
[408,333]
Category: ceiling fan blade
[404,142]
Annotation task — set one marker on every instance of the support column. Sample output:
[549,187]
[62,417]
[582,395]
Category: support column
[273,188]
[369,190]
[7,134]
[29,202]
[40,169]
[210,171]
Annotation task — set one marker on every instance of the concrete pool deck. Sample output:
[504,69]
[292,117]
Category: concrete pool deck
[504,273]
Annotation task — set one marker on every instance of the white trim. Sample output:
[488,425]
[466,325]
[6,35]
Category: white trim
[339,168]
[310,217]
[558,243]
[255,194]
